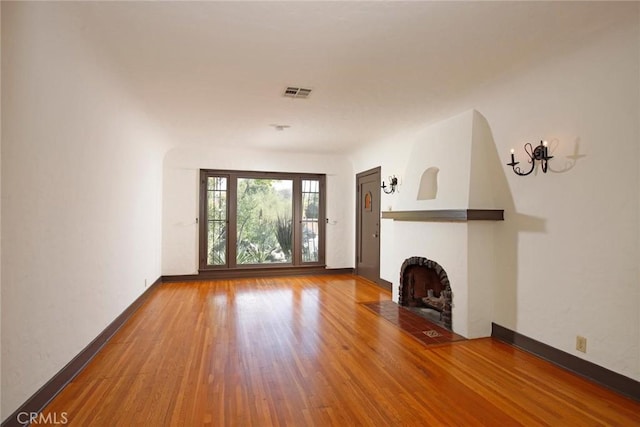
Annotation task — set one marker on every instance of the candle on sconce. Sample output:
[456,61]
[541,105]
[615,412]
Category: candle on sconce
[544,144]
[513,160]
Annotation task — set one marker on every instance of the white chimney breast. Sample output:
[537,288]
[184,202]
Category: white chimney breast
[463,150]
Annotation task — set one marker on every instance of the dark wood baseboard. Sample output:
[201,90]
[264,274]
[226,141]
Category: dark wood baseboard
[388,286]
[385,285]
[603,376]
[47,392]
[245,273]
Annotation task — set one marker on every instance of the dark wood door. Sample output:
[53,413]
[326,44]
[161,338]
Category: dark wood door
[368,225]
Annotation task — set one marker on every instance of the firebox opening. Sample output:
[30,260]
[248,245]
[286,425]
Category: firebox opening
[425,290]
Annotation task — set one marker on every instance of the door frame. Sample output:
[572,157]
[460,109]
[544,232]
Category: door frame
[374,171]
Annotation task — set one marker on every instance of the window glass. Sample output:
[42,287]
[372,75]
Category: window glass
[264,212]
[216,220]
[310,216]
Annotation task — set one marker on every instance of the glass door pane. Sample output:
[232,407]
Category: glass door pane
[310,225]
[216,220]
[264,221]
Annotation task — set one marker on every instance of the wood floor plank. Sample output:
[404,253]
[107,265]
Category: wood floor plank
[300,351]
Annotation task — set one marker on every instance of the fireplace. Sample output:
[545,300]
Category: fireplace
[425,289]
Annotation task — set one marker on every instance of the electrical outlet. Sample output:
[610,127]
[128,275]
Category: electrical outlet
[145,283]
[581,344]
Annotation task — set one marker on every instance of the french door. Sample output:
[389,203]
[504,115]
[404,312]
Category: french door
[261,219]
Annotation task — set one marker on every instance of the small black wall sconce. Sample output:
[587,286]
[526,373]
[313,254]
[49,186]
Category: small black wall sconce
[540,153]
[393,183]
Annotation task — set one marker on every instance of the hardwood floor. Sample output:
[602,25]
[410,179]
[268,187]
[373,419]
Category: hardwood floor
[303,351]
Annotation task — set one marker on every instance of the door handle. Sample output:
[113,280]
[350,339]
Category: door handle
[375,235]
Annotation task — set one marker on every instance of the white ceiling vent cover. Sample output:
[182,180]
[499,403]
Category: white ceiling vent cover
[297,92]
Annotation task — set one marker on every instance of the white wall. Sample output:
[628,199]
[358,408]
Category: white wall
[638,172]
[180,200]
[81,197]
[1,412]
[567,253]
[576,230]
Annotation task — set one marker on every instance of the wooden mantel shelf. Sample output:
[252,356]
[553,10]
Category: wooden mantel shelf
[446,215]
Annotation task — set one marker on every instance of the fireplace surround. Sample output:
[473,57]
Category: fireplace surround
[459,229]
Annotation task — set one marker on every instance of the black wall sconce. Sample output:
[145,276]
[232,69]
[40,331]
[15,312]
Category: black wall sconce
[540,153]
[393,183]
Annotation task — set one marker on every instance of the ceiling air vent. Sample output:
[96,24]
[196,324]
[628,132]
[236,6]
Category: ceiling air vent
[297,92]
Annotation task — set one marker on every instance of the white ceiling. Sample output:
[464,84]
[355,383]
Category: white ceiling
[214,72]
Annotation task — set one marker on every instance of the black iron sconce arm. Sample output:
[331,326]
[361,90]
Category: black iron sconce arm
[393,183]
[540,153]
